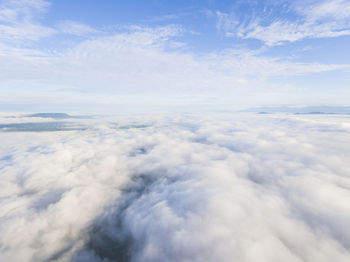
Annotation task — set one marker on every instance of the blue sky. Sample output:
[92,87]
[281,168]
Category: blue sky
[112,56]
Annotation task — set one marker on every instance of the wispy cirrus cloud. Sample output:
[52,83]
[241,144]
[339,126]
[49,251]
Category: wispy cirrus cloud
[19,20]
[20,23]
[140,60]
[14,11]
[75,28]
[323,19]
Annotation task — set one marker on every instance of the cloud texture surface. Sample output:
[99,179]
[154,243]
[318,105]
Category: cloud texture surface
[187,188]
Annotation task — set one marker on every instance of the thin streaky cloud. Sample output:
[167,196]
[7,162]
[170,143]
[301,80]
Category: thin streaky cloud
[76,28]
[326,19]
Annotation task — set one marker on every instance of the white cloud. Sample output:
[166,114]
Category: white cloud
[24,32]
[311,20]
[336,10]
[15,11]
[144,60]
[76,28]
[178,188]
[19,21]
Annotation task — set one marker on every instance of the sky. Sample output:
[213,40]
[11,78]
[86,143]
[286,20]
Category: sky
[122,56]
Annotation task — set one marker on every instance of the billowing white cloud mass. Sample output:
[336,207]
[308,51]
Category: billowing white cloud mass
[222,187]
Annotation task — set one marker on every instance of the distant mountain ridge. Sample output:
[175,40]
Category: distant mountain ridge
[312,110]
[50,115]
[55,115]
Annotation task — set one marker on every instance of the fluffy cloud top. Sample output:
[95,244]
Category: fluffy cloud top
[178,188]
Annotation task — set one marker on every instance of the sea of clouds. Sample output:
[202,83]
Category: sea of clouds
[222,187]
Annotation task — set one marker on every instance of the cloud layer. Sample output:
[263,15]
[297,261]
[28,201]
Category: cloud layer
[178,188]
